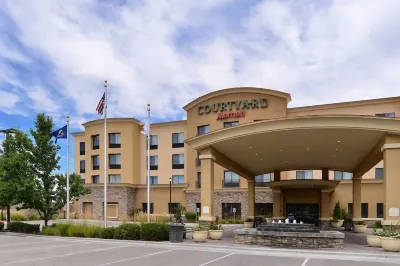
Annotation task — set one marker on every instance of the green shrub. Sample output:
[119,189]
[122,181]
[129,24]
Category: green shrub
[17,227]
[62,229]
[1,226]
[337,212]
[107,233]
[50,231]
[31,228]
[33,217]
[190,216]
[76,231]
[127,232]
[92,231]
[17,217]
[154,231]
[222,221]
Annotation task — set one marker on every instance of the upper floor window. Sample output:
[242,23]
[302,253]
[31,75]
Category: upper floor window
[153,180]
[95,142]
[201,130]
[386,115]
[154,162]
[114,140]
[96,162]
[231,179]
[82,168]
[231,124]
[95,179]
[115,161]
[153,142]
[82,148]
[262,180]
[304,174]
[379,173]
[114,179]
[178,140]
[338,175]
[197,160]
[83,181]
[178,179]
[178,161]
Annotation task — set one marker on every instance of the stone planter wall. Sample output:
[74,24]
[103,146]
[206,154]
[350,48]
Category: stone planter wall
[325,239]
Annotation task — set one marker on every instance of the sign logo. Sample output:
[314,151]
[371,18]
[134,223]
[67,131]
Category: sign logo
[60,134]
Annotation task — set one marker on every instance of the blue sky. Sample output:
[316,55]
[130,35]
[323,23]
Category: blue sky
[54,55]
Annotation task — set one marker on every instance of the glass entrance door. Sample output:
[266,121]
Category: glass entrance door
[307,213]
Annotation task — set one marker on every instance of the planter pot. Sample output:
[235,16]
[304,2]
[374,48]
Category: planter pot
[200,236]
[374,241]
[378,230]
[269,220]
[216,234]
[390,244]
[337,224]
[360,228]
[248,224]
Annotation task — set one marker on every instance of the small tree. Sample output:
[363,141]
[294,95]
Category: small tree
[337,212]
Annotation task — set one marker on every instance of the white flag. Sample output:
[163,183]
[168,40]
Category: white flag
[146,128]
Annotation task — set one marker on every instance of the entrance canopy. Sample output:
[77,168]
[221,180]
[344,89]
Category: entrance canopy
[342,143]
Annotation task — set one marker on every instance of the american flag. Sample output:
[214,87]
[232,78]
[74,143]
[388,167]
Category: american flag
[100,106]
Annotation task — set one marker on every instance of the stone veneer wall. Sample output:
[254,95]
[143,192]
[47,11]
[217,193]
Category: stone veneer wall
[124,196]
[229,197]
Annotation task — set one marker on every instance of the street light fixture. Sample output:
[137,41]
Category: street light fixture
[170,200]
[8,131]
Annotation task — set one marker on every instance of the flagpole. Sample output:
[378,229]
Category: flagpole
[148,164]
[67,169]
[105,153]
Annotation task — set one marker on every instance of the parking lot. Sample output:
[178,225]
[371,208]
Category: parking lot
[45,251]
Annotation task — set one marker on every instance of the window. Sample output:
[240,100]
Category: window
[82,148]
[231,124]
[178,161]
[201,130]
[178,140]
[96,162]
[154,162]
[262,180]
[198,208]
[231,211]
[379,210]
[114,140]
[114,179]
[178,179]
[95,179]
[386,115]
[198,161]
[350,208]
[83,181]
[82,168]
[379,173]
[153,142]
[174,206]
[198,182]
[153,180]
[95,142]
[342,175]
[304,174]
[115,161]
[230,179]
[364,210]
[262,209]
[144,207]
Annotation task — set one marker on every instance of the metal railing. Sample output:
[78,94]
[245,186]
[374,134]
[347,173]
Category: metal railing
[230,184]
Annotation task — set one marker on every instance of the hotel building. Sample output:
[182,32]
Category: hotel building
[243,152]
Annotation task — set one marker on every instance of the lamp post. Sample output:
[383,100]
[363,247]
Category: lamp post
[170,200]
[8,131]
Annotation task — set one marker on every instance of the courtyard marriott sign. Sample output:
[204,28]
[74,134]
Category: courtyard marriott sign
[232,109]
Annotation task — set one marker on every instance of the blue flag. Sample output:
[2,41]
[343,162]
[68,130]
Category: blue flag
[60,133]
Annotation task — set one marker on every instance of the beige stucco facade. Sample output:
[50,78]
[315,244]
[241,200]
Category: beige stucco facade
[270,138]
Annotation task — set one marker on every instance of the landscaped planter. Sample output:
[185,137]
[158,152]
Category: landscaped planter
[269,220]
[378,230]
[248,224]
[374,241]
[200,236]
[360,228]
[337,224]
[216,234]
[390,244]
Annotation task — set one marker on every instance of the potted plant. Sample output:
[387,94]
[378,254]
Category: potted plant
[360,227]
[216,231]
[248,223]
[374,240]
[199,233]
[378,227]
[268,217]
[337,216]
[391,241]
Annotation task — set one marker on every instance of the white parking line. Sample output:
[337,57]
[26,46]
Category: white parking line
[29,249]
[216,259]
[27,243]
[134,258]
[305,262]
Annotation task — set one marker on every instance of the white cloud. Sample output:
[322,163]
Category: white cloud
[319,53]
[8,101]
